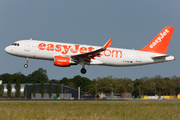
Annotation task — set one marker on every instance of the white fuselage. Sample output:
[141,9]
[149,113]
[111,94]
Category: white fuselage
[47,50]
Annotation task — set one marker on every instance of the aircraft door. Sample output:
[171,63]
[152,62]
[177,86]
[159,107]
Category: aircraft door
[139,57]
[27,45]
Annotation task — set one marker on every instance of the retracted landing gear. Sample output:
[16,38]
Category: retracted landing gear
[83,70]
[26,65]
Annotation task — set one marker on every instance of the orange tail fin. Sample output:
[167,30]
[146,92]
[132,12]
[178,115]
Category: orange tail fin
[160,43]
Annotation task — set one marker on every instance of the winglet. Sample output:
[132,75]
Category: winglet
[107,44]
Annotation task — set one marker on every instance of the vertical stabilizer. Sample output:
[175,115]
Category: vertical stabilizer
[160,43]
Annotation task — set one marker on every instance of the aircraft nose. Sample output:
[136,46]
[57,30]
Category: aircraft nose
[7,49]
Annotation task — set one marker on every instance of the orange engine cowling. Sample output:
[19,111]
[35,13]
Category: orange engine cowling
[61,61]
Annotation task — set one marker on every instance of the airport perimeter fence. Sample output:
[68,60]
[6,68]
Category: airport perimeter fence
[46,96]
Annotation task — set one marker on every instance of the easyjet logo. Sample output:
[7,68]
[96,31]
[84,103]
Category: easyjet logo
[64,49]
[62,60]
[159,38]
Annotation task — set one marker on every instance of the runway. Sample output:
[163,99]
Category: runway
[141,100]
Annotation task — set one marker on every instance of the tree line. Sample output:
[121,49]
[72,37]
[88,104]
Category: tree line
[156,85]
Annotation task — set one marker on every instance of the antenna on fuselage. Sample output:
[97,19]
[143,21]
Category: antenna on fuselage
[30,38]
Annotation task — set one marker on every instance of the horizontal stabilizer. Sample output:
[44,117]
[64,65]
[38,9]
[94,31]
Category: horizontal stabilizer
[160,56]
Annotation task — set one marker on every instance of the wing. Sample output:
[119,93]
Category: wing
[91,55]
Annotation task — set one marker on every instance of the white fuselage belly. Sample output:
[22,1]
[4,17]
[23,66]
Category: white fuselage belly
[110,57]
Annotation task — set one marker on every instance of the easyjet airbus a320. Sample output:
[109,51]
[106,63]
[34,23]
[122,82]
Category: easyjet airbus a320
[65,54]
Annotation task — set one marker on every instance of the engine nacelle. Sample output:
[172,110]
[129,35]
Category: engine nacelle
[62,61]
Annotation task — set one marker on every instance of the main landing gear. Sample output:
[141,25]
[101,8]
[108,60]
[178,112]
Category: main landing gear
[26,65]
[83,70]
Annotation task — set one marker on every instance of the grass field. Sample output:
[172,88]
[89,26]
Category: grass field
[89,110]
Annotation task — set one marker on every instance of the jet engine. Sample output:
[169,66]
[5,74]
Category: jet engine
[63,61]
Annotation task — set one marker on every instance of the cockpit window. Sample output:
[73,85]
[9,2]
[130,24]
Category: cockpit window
[15,44]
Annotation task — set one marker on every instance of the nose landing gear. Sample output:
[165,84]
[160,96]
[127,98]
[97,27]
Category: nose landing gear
[26,65]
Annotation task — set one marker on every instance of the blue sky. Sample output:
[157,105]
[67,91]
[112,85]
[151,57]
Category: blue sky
[131,24]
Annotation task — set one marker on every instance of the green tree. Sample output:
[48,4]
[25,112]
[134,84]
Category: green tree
[71,84]
[17,87]
[119,85]
[57,90]
[128,85]
[34,89]
[159,83]
[18,77]
[91,89]
[105,84]
[64,81]
[6,77]
[68,82]
[50,89]
[1,90]
[177,84]
[54,81]
[39,75]
[81,82]
[171,86]
[147,86]
[137,87]
[26,91]
[42,89]
[9,88]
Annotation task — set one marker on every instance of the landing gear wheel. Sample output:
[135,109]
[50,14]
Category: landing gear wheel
[26,65]
[83,70]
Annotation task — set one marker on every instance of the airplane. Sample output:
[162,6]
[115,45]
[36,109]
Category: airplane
[66,54]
